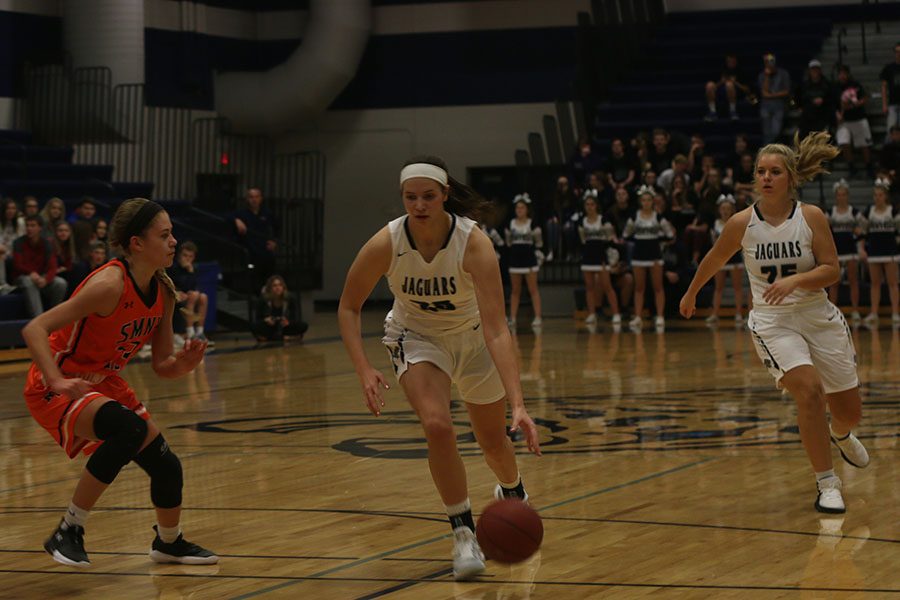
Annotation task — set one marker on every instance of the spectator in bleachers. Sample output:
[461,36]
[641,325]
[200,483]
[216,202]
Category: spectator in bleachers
[620,168]
[660,155]
[890,153]
[256,229]
[890,91]
[192,302]
[96,258]
[53,213]
[278,313]
[774,92]
[620,212]
[64,249]
[31,206]
[679,168]
[733,160]
[706,193]
[742,181]
[12,227]
[85,211]
[816,101]
[563,205]
[695,156]
[731,81]
[34,268]
[597,183]
[101,231]
[639,151]
[83,234]
[681,204]
[650,179]
[583,162]
[853,126]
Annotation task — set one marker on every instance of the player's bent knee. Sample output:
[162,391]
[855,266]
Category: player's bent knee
[122,432]
[166,474]
[438,429]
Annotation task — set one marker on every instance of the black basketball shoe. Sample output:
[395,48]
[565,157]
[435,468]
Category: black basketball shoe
[180,551]
[66,546]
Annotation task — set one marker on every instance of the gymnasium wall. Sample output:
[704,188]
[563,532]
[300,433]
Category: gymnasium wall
[704,5]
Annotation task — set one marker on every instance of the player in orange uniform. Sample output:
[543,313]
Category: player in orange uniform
[74,390]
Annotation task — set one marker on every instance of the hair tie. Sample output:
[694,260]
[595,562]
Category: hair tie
[883,183]
[522,198]
[726,198]
[841,183]
[589,193]
[646,189]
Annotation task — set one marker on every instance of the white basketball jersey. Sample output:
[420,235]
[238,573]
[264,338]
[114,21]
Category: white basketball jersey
[772,253]
[433,298]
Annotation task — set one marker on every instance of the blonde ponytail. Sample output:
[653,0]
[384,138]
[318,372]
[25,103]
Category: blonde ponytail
[164,279]
[803,162]
[811,153]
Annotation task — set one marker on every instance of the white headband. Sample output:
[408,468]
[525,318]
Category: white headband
[426,170]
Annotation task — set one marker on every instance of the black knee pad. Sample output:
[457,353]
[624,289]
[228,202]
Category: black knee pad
[122,432]
[164,469]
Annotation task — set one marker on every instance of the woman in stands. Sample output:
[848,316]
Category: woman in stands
[53,213]
[64,247]
[597,235]
[848,227]
[74,389]
[278,313]
[12,227]
[882,229]
[734,267]
[525,243]
[446,326]
[801,337]
[647,230]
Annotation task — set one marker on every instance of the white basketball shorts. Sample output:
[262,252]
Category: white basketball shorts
[815,334]
[464,357]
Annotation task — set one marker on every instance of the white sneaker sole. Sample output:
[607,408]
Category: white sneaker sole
[163,558]
[829,510]
[468,571]
[58,557]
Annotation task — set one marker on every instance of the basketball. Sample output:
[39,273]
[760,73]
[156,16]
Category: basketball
[509,531]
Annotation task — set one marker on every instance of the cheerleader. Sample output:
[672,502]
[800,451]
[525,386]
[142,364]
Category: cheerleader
[596,235]
[847,227]
[881,241]
[647,229]
[525,243]
[735,266]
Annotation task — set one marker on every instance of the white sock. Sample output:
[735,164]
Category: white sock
[820,475]
[732,107]
[514,484]
[75,516]
[168,534]
[458,509]
[198,330]
[189,332]
[712,107]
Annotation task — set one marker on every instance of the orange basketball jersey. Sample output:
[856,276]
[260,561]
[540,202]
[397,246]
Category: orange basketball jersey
[95,346]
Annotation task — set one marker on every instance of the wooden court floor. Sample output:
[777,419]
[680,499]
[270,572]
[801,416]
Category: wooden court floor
[672,468]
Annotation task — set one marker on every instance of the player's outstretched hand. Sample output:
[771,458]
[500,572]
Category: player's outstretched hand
[521,420]
[191,354]
[74,387]
[373,383]
[688,306]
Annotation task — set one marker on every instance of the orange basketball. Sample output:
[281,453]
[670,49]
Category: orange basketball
[509,531]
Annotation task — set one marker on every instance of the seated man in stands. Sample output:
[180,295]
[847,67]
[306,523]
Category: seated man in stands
[679,167]
[278,314]
[31,206]
[85,211]
[256,229]
[83,268]
[661,154]
[34,268]
[731,81]
[193,303]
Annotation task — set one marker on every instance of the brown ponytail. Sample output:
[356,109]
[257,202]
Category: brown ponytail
[805,161]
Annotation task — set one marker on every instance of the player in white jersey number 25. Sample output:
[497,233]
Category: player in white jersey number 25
[801,337]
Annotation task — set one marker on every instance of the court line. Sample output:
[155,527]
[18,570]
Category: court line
[432,540]
[265,556]
[299,579]
[404,585]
